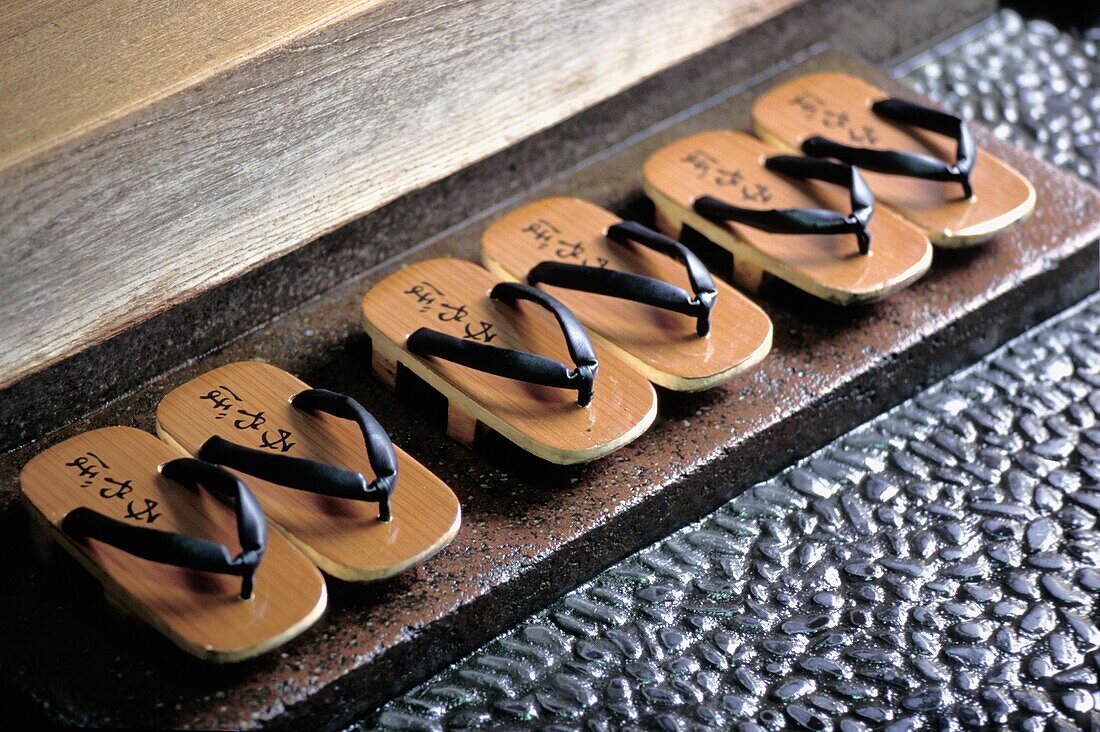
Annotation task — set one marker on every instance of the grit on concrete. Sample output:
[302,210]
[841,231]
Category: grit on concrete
[939,566]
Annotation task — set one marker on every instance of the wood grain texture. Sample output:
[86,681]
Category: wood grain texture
[730,166]
[545,421]
[838,106]
[662,345]
[344,538]
[127,55]
[276,136]
[201,612]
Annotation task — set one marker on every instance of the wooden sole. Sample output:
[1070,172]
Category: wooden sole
[730,166]
[838,106]
[200,612]
[343,537]
[661,345]
[544,421]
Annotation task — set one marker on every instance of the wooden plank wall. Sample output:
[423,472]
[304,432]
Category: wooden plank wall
[149,151]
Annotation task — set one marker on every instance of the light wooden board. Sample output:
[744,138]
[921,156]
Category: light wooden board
[150,151]
[343,537]
[127,54]
[730,166]
[662,345]
[838,106]
[201,612]
[545,421]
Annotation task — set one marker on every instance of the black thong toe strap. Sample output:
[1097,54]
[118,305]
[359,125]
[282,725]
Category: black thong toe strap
[314,476]
[181,550]
[914,165]
[515,364]
[636,287]
[803,220]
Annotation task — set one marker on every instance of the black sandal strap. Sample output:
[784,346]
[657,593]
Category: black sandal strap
[311,475]
[636,287]
[803,220]
[181,550]
[380,452]
[915,165]
[516,364]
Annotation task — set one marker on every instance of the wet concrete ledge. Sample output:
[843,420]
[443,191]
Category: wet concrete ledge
[533,532]
[935,568]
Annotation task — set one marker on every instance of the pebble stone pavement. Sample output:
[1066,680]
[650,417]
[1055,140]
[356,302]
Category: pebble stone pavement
[1030,83]
[938,567]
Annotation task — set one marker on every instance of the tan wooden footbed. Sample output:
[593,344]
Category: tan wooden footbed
[838,106]
[662,345]
[201,612]
[545,421]
[730,166]
[345,538]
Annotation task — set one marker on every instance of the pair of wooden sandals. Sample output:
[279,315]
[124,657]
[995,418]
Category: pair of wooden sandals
[512,357]
[653,311]
[503,346]
[175,529]
[811,219]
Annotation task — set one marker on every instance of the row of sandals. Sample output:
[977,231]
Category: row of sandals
[573,315]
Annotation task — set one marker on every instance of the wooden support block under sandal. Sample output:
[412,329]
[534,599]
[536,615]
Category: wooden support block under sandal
[639,313]
[920,162]
[498,357]
[126,506]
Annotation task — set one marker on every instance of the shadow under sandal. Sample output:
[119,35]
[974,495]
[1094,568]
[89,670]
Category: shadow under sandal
[496,352]
[809,222]
[919,161]
[309,453]
[131,511]
[617,276]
